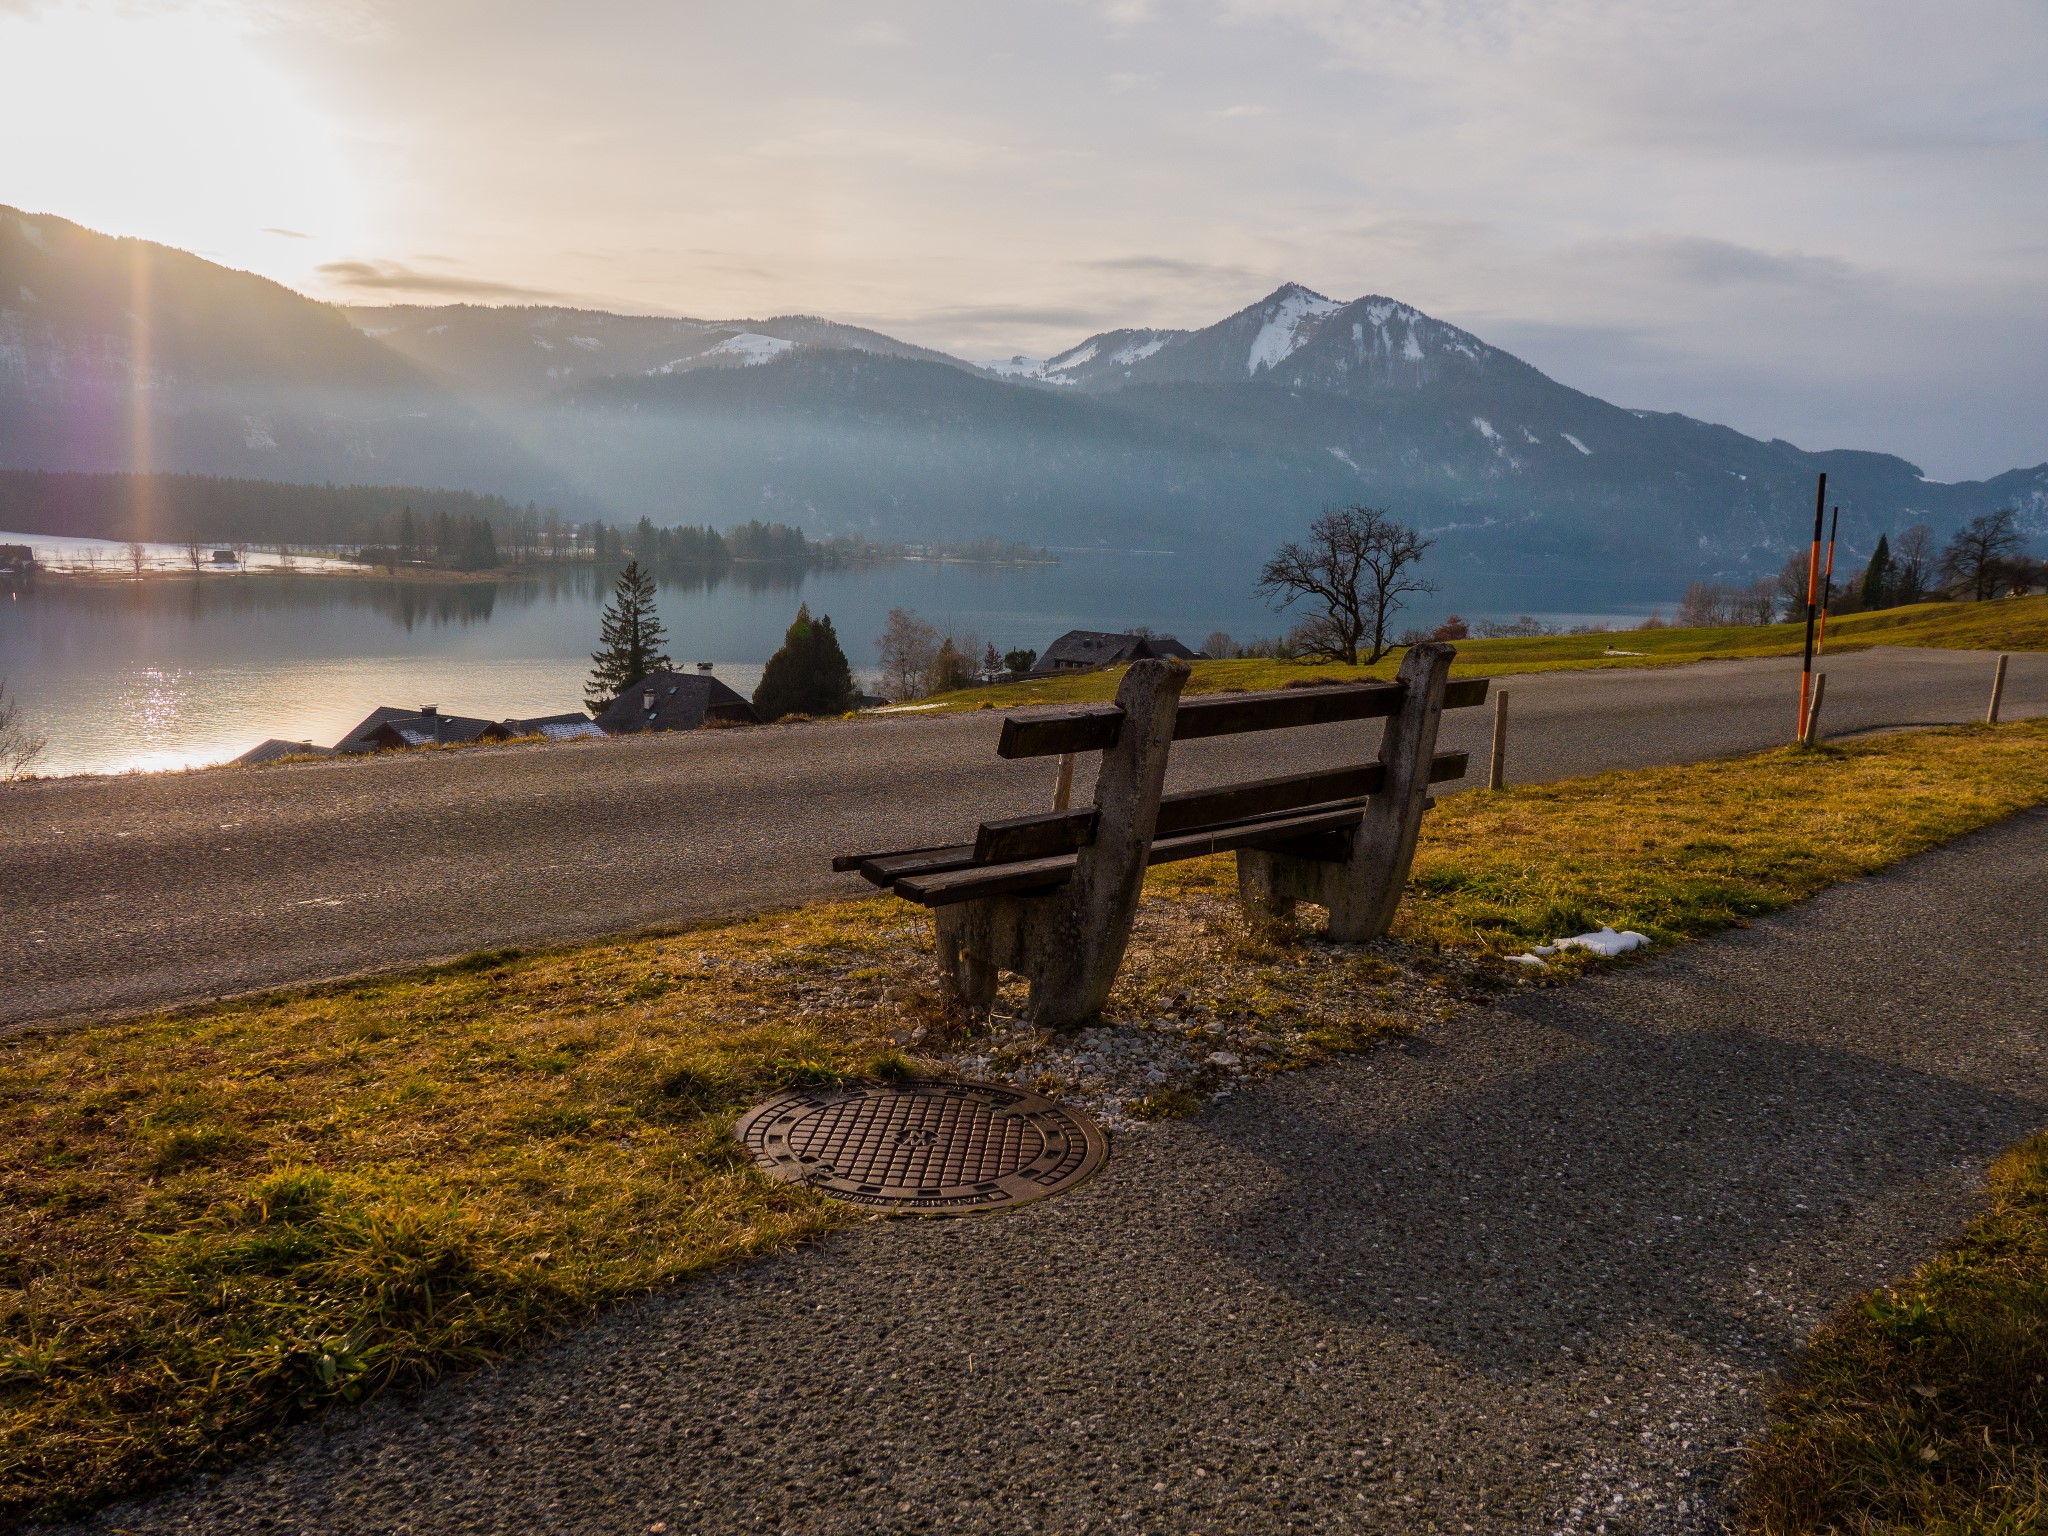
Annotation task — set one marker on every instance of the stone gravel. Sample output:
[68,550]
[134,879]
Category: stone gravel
[118,894]
[1527,1271]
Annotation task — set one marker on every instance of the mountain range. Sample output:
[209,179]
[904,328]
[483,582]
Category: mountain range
[117,354]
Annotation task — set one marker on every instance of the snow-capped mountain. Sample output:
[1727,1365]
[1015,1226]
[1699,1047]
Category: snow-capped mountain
[526,352]
[1216,441]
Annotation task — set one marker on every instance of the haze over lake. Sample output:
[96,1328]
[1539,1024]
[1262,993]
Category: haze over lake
[172,672]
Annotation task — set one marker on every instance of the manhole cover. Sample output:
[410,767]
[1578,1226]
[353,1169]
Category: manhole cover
[923,1146]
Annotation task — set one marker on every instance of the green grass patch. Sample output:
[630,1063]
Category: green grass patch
[216,1222]
[2009,624]
[1923,1407]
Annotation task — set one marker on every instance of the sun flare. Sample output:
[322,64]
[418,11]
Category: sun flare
[171,124]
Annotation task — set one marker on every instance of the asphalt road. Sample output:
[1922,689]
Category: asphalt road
[118,894]
[1529,1272]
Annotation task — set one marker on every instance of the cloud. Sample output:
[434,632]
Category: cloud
[289,234]
[1179,267]
[395,277]
[1130,80]
[1245,109]
[1021,314]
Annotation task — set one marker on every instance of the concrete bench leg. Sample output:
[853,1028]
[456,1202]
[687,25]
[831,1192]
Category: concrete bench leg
[1070,942]
[1363,893]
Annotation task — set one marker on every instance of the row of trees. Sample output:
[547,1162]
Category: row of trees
[1985,558]
[809,675]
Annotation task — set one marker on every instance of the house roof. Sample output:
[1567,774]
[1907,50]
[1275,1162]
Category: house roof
[1100,648]
[674,701]
[564,727]
[271,750]
[386,728]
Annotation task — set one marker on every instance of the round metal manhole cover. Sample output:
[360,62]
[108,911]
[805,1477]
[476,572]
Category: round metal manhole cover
[923,1146]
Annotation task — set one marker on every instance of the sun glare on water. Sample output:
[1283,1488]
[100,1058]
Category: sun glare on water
[170,124]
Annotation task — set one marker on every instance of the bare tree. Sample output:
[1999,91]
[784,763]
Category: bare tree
[907,647]
[1912,564]
[1219,646]
[1977,558]
[19,746]
[1357,564]
[137,557]
[196,553]
[1758,602]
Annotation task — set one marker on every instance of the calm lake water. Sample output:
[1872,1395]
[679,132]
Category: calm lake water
[177,671]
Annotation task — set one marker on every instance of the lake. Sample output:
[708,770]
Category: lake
[174,671]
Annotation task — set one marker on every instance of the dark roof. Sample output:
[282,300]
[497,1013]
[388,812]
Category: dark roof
[271,750]
[1081,648]
[681,701]
[386,728]
[564,727]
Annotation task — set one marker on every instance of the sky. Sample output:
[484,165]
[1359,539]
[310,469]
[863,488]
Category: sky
[1824,221]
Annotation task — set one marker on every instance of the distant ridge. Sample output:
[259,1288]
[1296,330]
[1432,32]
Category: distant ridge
[1214,441]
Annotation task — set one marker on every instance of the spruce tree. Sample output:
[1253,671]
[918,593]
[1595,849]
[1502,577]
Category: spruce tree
[1874,576]
[809,675]
[632,639]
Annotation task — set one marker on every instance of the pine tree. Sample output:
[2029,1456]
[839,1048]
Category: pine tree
[632,637]
[1874,577]
[809,675]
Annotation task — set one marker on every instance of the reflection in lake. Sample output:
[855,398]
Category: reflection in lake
[176,671]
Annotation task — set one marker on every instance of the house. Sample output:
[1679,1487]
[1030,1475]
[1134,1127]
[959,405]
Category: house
[270,751]
[1083,650]
[387,729]
[572,726]
[675,701]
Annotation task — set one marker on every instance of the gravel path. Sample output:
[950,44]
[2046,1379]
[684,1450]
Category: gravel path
[127,893]
[1524,1274]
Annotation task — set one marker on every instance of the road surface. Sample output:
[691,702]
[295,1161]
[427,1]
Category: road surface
[119,894]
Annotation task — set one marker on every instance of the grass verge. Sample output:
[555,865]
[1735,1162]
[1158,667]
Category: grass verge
[2013,624]
[1924,1407]
[214,1223]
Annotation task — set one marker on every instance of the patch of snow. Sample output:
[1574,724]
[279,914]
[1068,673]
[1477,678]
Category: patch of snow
[28,295]
[1576,444]
[379,330]
[435,330]
[1019,366]
[543,344]
[1411,348]
[751,348]
[256,434]
[1138,353]
[1530,437]
[1073,359]
[31,233]
[1486,429]
[587,343]
[1378,314]
[1611,651]
[1605,942]
[1342,456]
[1282,334]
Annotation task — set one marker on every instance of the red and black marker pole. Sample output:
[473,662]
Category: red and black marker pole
[1820,508]
[1827,584]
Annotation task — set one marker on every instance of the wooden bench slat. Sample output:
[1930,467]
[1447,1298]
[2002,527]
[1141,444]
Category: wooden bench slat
[884,869]
[1035,837]
[1054,832]
[1094,727]
[944,887]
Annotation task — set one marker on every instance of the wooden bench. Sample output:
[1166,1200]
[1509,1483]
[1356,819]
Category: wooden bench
[1052,897]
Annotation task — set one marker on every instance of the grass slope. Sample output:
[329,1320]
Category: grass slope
[214,1223]
[1924,1407]
[2015,624]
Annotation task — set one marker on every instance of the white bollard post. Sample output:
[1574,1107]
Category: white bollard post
[1997,690]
